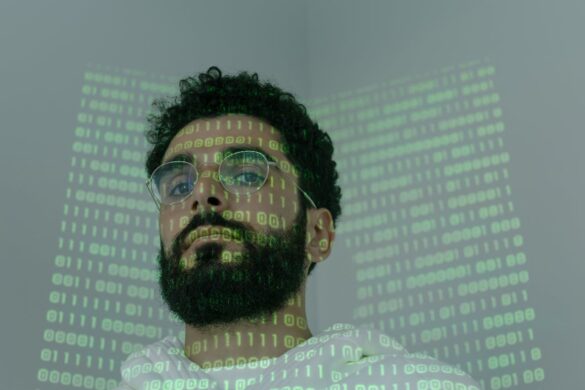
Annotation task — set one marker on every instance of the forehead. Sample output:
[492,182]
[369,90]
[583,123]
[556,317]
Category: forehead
[205,137]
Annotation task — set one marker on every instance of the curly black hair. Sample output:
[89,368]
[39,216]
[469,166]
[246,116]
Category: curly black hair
[210,95]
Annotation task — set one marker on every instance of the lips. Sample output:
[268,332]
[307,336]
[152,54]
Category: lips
[205,231]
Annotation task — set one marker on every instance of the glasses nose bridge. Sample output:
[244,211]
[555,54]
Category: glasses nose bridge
[198,171]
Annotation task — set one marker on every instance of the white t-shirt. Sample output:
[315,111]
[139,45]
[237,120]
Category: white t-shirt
[342,357]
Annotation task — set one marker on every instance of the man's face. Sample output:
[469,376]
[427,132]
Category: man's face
[216,282]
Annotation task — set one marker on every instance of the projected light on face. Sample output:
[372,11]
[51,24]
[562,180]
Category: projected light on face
[261,263]
[212,292]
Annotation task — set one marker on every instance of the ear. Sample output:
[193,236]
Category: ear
[320,234]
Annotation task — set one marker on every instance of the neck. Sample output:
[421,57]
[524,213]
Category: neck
[249,340]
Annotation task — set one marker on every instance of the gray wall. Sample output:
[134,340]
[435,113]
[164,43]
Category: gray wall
[313,49]
[536,49]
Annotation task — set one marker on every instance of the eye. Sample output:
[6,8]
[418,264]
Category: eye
[249,177]
[184,187]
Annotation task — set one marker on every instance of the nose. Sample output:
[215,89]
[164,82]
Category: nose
[207,190]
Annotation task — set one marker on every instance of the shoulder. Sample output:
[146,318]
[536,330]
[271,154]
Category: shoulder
[424,371]
[166,350]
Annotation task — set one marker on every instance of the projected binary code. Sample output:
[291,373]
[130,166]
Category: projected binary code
[430,228]
[430,221]
[104,304]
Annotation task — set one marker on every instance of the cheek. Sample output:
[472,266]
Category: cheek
[171,223]
[281,196]
[273,207]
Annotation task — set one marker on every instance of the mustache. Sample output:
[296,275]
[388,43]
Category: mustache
[213,219]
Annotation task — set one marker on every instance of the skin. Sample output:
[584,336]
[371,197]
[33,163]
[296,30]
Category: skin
[241,298]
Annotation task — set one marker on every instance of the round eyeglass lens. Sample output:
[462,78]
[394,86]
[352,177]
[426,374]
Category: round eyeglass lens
[243,172]
[240,173]
[173,181]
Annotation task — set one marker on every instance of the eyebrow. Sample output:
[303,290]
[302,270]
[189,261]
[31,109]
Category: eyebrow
[232,149]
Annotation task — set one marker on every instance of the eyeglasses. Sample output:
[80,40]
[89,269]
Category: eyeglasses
[243,172]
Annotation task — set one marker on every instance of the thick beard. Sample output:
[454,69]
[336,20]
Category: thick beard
[214,295]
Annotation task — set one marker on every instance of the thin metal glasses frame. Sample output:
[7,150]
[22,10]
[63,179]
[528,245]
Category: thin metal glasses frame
[268,163]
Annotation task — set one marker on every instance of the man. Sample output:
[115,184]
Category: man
[246,190]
